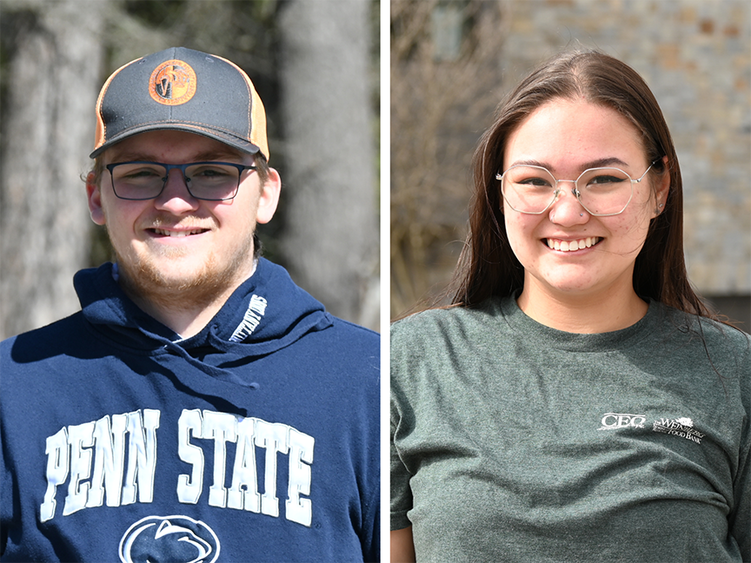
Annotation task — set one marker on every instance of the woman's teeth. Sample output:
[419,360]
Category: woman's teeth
[568,246]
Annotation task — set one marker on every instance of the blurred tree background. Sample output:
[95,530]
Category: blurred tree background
[444,88]
[314,64]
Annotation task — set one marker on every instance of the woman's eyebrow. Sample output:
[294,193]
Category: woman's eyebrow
[598,163]
[609,161]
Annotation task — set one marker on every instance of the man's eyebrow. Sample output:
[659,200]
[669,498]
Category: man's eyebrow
[218,155]
[128,156]
[208,156]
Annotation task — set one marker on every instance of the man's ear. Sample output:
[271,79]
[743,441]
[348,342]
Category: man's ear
[94,197]
[269,197]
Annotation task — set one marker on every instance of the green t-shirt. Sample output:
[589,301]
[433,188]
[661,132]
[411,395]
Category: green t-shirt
[512,441]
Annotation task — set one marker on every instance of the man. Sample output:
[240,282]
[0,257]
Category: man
[200,407]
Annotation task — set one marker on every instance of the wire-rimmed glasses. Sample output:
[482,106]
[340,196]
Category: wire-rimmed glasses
[602,191]
[210,181]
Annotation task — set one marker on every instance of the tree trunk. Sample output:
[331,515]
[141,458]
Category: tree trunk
[331,232]
[48,131]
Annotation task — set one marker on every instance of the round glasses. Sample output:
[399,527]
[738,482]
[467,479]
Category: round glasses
[210,181]
[601,191]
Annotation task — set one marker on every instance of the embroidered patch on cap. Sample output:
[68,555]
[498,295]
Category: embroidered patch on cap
[172,83]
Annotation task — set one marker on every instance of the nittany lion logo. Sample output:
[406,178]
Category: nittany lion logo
[177,539]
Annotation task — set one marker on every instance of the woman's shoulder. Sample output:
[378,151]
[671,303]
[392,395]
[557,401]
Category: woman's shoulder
[712,332]
[447,318]
[440,335]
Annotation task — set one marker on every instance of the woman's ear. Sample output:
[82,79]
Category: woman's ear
[662,188]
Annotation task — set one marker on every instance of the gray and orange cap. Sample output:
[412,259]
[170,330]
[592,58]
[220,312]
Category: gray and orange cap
[184,90]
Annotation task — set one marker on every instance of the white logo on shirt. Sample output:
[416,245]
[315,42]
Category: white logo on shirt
[613,420]
[683,427]
[156,539]
[91,458]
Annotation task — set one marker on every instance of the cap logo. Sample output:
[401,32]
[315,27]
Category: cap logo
[172,83]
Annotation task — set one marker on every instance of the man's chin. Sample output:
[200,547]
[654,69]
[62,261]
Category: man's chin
[179,285]
[174,278]
[175,273]
[179,279]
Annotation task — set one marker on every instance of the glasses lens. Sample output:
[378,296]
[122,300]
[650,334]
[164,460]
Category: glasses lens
[529,189]
[138,180]
[604,191]
[212,181]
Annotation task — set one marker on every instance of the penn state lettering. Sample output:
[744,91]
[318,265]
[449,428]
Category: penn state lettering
[246,434]
[113,460]
[69,453]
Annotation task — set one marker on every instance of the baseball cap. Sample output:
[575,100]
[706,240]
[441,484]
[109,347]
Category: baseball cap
[185,90]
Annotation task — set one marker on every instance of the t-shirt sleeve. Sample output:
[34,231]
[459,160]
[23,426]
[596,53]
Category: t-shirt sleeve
[401,494]
[740,517]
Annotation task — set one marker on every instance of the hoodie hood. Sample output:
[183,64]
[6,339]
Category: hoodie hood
[266,313]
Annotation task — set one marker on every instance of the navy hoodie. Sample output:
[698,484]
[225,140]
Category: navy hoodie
[255,440]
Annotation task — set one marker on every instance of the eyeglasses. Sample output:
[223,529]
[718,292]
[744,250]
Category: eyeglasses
[210,181]
[601,191]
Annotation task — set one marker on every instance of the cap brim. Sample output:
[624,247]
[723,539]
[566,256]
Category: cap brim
[226,138]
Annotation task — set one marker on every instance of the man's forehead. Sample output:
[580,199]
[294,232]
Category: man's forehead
[166,146]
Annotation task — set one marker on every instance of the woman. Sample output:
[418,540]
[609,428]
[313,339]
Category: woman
[578,401]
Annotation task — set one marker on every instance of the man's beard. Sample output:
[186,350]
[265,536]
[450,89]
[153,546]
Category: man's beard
[144,279]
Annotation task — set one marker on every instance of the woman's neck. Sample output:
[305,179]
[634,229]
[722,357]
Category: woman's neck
[582,314]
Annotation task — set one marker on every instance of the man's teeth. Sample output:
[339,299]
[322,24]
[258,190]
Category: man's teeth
[177,233]
[568,246]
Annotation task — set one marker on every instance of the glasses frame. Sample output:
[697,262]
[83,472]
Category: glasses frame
[575,190]
[181,167]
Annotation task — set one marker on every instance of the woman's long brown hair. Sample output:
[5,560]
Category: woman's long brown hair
[488,267]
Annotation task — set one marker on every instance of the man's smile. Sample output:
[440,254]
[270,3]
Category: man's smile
[176,233]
